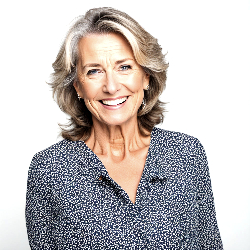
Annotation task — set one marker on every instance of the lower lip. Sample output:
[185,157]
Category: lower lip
[114,107]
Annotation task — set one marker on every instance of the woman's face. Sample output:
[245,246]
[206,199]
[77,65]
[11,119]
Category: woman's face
[111,82]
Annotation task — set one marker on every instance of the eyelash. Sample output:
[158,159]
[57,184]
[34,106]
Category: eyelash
[125,66]
[93,71]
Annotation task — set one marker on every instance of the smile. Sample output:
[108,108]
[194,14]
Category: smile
[114,102]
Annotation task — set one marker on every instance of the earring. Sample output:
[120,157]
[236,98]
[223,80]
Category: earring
[143,104]
[147,87]
[79,97]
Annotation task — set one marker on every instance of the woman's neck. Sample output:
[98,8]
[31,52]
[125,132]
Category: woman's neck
[118,141]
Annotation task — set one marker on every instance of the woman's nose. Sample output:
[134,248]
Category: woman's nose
[111,83]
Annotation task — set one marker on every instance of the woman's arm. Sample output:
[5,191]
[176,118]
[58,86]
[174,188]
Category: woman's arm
[38,206]
[208,232]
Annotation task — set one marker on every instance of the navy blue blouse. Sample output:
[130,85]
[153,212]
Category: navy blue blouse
[70,207]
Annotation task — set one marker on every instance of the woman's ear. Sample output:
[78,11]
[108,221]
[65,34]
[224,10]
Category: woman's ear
[146,81]
[75,84]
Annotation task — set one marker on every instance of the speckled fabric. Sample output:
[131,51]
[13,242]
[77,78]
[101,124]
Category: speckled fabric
[70,207]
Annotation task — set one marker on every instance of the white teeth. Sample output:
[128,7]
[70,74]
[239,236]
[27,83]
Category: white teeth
[114,102]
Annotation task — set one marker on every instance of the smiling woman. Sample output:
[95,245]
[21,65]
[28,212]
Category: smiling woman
[142,48]
[116,181]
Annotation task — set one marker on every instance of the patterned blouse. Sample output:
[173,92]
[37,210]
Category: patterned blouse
[72,203]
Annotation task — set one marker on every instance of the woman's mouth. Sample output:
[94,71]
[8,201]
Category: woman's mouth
[114,102]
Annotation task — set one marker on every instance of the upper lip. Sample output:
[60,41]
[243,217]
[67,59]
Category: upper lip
[111,99]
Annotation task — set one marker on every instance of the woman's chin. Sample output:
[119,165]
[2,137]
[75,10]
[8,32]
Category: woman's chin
[117,120]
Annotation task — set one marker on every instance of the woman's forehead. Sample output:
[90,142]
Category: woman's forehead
[99,46]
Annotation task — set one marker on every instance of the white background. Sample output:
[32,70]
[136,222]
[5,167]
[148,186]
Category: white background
[208,91]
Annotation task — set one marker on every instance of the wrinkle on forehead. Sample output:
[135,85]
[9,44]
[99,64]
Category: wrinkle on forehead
[97,47]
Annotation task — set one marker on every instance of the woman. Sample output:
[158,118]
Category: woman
[116,181]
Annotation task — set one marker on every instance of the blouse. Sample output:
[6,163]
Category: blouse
[72,203]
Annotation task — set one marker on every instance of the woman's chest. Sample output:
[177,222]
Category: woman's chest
[126,173]
[101,213]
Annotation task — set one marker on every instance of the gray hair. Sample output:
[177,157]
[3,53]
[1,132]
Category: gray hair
[147,53]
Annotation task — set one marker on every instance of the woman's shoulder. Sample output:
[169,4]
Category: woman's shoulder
[166,140]
[60,146]
[61,150]
[173,136]
[177,150]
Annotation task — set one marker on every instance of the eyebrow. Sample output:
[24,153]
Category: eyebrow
[90,65]
[124,60]
[98,65]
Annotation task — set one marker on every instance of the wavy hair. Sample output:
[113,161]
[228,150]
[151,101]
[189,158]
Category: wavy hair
[147,53]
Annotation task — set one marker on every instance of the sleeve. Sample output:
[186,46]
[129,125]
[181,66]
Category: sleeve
[208,231]
[38,207]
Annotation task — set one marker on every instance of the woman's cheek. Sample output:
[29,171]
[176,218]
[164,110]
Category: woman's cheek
[135,82]
[89,92]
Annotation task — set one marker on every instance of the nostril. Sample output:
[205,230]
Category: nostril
[111,84]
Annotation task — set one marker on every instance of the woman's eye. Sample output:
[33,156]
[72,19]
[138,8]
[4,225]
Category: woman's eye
[125,67]
[93,71]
